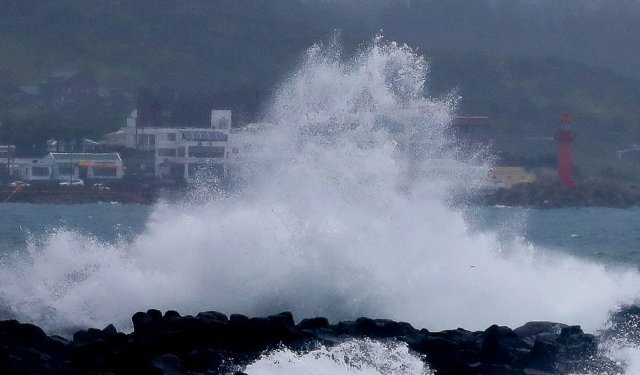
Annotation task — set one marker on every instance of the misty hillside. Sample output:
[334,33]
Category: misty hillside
[521,62]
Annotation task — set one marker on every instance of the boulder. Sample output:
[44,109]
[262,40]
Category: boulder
[501,345]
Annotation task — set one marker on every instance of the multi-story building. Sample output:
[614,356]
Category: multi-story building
[180,152]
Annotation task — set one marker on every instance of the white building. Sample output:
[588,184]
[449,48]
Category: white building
[104,166]
[246,142]
[221,120]
[85,145]
[62,166]
[26,169]
[182,153]
[127,136]
[144,138]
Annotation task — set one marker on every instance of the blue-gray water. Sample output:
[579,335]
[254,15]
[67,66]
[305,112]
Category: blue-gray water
[602,234]
[21,222]
[608,235]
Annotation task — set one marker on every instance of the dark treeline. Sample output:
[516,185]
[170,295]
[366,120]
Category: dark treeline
[594,32]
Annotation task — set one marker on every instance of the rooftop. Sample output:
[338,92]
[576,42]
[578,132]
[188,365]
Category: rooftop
[204,135]
[85,156]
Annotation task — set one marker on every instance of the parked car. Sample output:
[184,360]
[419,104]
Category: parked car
[19,183]
[74,182]
[101,187]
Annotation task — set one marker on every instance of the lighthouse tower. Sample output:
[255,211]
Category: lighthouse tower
[564,137]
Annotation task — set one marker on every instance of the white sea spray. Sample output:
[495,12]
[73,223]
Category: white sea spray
[357,356]
[344,212]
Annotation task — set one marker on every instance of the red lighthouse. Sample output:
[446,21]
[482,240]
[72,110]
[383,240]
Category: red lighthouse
[564,137]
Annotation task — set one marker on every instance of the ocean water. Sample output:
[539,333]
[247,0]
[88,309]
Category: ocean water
[604,235]
[344,210]
[22,224]
[608,236]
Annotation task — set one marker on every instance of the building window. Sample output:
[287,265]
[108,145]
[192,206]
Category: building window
[106,171]
[167,152]
[152,139]
[180,152]
[171,137]
[234,150]
[223,123]
[40,171]
[65,169]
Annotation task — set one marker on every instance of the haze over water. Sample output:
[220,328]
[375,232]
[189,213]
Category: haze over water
[344,211]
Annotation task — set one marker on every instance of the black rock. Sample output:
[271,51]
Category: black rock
[141,322]
[314,323]
[442,354]
[463,339]
[170,315]
[202,359]
[167,364]
[345,328]
[109,331]
[238,318]
[381,328]
[545,352]
[155,315]
[212,343]
[285,318]
[501,345]
[213,315]
[571,330]
[490,369]
[88,336]
[532,329]
[14,331]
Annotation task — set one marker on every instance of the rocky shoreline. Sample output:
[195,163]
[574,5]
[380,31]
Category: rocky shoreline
[550,194]
[213,343]
[544,193]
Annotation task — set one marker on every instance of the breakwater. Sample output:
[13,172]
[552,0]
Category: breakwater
[76,194]
[550,194]
[213,343]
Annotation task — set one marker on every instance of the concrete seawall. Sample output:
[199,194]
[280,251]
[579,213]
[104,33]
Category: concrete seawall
[79,194]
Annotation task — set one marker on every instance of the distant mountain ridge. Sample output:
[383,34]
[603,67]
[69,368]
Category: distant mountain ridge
[520,63]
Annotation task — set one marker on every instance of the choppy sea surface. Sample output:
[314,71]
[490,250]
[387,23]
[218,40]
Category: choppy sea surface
[607,235]
[21,223]
[601,235]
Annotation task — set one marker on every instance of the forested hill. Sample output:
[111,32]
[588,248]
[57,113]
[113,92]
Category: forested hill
[200,45]
[520,62]
[209,44]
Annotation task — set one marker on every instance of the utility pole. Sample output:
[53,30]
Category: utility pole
[72,168]
[7,139]
[8,151]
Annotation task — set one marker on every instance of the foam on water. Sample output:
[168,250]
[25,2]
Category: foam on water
[344,212]
[365,357]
